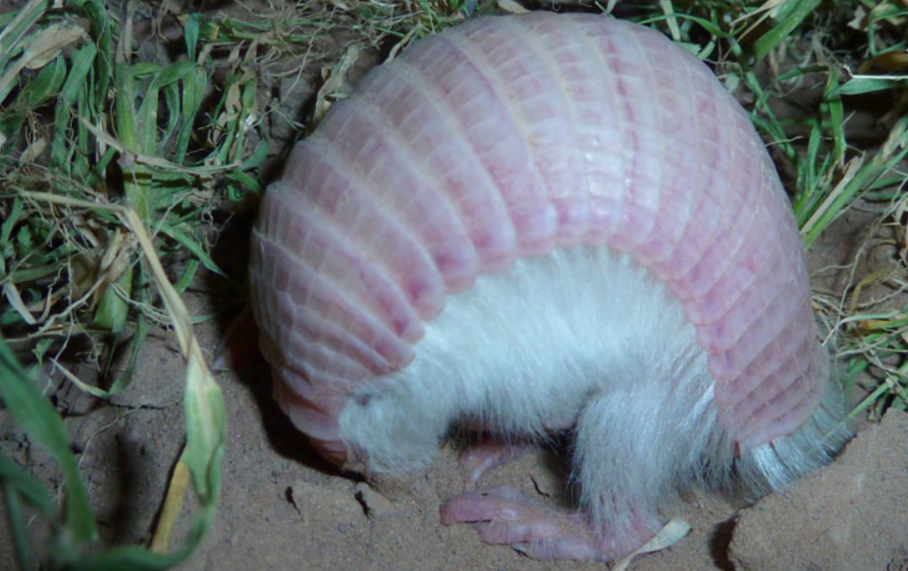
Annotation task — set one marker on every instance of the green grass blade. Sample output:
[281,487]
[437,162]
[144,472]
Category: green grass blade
[790,14]
[16,480]
[136,178]
[833,107]
[888,157]
[138,339]
[96,14]
[257,158]
[172,103]
[12,35]
[82,61]
[172,74]
[36,92]
[247,181]
[194,86]
[16,522]
[113,310]
[862,85]
[147,122]
[188,274]
[34,413]
[191,35]
[6,229]
[193,246]
[132,559]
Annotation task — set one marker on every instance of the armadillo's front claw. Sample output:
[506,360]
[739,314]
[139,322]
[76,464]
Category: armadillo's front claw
[502,515]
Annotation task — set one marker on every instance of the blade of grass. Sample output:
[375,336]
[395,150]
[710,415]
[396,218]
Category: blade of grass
[788,15]
[194,86]
[12,35]
[34,94]
[193,246]
[40,48]
[859,85]
[838,202]
[16,521]
[96,14]
[82,61]
[187,276]
[34,413]
[24,486]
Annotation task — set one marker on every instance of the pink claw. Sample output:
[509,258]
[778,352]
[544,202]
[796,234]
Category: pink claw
[487,454]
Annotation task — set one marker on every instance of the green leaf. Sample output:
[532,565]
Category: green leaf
[246,181]
[194,87]
[205,430]
[34,413]
[26,487]
[711,27]
[172,102]
[888,157]
[172,74]
[16,522]
[257,157]
[143,70]
[861,85]
[6,229]
[138,339]
[35,93]
[45,86]
[112,310]
[832,104]
[187,276]
[191,35]
[133,559]
[13,34]
[789,14]
[96,14]
[82,61]
[147,124]
[194,247]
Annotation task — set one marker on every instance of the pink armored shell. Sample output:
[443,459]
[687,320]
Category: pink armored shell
[508,137]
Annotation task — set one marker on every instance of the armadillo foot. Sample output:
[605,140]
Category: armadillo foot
[502,515]
[487,454]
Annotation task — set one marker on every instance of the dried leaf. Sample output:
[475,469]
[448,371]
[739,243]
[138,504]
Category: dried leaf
[669,535]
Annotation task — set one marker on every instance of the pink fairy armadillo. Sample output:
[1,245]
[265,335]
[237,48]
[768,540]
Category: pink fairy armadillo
[542,223]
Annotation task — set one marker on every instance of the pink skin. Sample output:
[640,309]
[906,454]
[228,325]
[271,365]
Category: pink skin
[509,137]
[502,516]
[488,454]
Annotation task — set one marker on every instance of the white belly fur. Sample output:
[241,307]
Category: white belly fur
[526,349]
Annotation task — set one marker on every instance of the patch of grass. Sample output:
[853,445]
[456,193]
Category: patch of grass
[80,117]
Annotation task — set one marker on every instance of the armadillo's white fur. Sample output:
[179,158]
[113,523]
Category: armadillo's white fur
[580,334]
